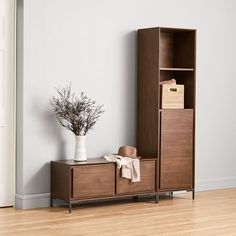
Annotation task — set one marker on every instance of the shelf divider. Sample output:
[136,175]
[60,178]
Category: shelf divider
[176,69]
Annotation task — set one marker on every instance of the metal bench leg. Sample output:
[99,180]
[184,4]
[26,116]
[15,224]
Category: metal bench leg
[69,206]
[156,198]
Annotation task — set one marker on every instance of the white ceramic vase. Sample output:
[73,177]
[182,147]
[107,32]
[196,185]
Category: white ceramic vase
[80,148]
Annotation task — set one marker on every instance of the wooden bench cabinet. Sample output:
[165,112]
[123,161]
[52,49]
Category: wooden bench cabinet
[98,179]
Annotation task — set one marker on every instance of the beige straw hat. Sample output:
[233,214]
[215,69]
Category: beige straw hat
[128,151]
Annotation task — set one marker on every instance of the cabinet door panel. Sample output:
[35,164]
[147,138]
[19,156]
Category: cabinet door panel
[147,184]
[93,181]
[176,149]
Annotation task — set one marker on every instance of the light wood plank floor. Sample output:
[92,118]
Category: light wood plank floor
[212,213]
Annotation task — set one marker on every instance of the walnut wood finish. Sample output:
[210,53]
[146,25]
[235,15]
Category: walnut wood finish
[184,51]
[93,181]
[147,184]
[60,181]
[163,54]
[177,48]
[91,161]
[188,80]
[147,85]
[98,179]
[176,149]
[166,49]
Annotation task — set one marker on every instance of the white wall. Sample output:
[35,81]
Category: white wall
[93,45]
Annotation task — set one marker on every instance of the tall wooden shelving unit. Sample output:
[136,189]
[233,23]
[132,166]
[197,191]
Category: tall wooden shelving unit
[167,134]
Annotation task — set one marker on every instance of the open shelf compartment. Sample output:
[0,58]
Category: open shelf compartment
[185,78]
[177,49]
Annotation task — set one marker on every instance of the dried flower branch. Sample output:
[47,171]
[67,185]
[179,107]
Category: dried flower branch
[78,115]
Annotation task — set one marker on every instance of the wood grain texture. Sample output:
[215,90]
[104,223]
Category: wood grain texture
[176,149]
[213,213]
[177,48]
[93,181]
[166,49]
[97,179]
[174,57]
[60,181]
[184,49]
[147,184]
[147,89]
[188,80]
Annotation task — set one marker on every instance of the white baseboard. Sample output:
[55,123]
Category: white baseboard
[42,200]
[30,201]
[213,184]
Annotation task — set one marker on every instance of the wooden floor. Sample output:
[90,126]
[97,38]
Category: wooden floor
[212,213]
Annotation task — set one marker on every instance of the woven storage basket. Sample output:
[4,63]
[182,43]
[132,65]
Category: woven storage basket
[172,96]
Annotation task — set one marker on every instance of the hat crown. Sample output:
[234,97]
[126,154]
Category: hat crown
[127,151]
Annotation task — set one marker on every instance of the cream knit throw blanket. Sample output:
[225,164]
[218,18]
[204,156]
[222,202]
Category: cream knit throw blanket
[130,167]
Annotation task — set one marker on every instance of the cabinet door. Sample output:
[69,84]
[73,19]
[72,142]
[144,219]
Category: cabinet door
[147,184]
[93,181]
[176,163]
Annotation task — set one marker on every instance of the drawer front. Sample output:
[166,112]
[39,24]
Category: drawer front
[147,184]
[91,181]
[176,149]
